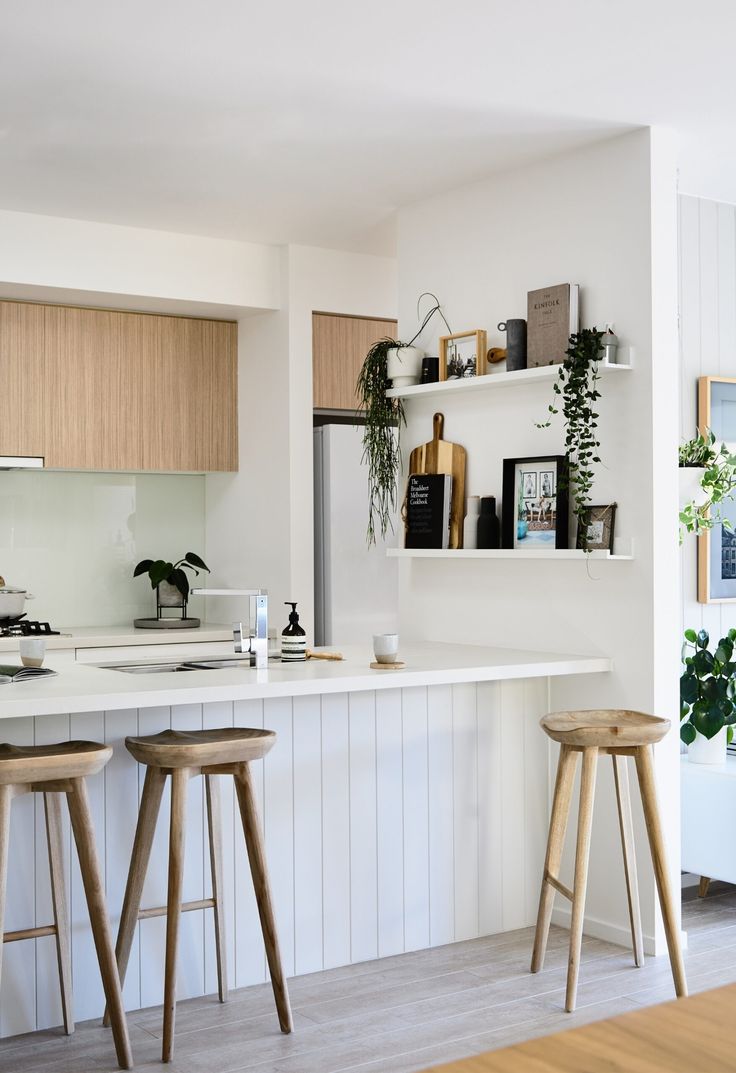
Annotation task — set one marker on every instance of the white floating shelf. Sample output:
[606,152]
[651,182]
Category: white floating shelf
[504,553]
[491,381]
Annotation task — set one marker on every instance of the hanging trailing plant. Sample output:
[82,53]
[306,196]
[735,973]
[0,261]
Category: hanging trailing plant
[383,419]
[381,437]
[577,387]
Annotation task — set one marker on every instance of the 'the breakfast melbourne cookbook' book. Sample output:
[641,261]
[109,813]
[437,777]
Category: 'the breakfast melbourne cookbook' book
[552,316]
[428,501]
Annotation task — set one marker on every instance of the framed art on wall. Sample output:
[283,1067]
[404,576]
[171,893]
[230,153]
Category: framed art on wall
[600,524]
[717,546]
[463,355]
[535,502]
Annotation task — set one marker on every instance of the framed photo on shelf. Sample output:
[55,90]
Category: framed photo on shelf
[717,546]
[463,355]
[600,523]
[535,502]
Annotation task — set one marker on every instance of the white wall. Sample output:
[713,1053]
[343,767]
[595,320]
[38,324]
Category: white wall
[707,348]
[593,217]
[260,521]
[51,258]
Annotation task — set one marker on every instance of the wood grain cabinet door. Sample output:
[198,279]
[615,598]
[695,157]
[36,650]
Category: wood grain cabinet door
[134,391]
[339,346]
[22,385]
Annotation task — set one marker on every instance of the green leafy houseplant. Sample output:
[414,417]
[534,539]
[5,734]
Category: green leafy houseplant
[718,483]
[707,686]
[381,444]
[383,420]
[159,570]
[577,387]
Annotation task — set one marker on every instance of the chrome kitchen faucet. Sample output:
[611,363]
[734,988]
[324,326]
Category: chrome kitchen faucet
[257,643]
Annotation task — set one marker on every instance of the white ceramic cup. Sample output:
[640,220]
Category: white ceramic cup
[386,647]
[32,651]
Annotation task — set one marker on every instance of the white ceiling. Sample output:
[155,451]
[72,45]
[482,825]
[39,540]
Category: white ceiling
[312,122]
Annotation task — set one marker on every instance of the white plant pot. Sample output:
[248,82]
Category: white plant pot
[690,488]
[404,365]
[708,750]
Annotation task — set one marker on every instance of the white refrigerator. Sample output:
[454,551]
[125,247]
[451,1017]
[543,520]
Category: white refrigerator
[356,586]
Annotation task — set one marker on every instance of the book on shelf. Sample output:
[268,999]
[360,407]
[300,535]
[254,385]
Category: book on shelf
[428,504]
[552,317]
[23,674]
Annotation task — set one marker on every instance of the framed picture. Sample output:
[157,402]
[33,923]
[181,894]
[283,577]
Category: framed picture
[717,546]
[600,523]
[535,502]
[463,355]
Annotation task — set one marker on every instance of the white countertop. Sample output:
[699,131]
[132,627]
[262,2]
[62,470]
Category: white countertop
[107,636]
[82,687]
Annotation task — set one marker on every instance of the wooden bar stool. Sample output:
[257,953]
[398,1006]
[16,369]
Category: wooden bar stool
[53,770]
[182,755]
[620,734]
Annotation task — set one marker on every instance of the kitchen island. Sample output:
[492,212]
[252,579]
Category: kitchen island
[402,809]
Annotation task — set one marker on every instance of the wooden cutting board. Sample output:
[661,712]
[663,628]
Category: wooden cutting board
[441,456]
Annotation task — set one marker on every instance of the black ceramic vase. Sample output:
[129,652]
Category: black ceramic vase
[489,527]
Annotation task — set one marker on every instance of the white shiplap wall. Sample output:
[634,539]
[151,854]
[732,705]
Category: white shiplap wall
[707,348]
[394,820]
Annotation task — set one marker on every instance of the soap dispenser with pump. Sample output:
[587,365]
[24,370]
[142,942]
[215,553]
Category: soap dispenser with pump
[293,638]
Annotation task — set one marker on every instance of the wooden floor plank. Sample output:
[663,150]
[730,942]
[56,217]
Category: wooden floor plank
[404,1013]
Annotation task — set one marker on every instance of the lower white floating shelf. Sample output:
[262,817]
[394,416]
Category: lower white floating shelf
[503,553]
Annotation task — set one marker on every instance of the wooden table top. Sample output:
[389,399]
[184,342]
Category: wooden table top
[691,1035]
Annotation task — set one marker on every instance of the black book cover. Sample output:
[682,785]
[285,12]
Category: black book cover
[428,499]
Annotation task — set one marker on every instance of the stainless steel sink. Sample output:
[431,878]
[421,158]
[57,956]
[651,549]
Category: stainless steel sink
[145,668]
[189,665]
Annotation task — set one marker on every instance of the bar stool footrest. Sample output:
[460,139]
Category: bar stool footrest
[559,887]
[29,933]
[186,907]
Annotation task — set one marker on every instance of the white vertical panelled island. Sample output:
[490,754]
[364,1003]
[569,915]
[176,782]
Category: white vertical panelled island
[402,809]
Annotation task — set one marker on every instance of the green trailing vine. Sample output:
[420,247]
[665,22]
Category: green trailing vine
[718,482]
[383,420]
[577,387]
[381,437]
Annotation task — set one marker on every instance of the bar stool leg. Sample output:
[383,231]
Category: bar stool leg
[145,829]
[555,842]
[645,772]
[623,801]
[84,836]
[214,831]
[6,797]
[582,853]
[179,780]
[257,858]
[55,841]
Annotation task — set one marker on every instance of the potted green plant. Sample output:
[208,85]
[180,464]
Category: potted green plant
[387,361]
[707,696]
[707,480]
[577,387]
[169,580]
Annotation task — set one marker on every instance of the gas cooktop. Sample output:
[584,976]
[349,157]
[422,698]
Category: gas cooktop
[23,627]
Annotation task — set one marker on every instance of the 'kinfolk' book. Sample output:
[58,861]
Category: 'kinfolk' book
[552,317]
[428,501]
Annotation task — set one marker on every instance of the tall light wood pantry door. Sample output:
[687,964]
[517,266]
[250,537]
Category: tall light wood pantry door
[339,345]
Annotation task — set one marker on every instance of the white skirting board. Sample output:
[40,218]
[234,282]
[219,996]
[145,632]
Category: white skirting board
[394,820]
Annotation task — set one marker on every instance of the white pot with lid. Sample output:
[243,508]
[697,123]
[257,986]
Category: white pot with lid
[12,601]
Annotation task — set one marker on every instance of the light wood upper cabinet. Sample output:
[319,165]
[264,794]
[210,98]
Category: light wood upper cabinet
[339,345]
[22,386]
[114,390]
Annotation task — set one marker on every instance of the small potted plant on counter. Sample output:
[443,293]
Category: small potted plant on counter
[171,584]
[707,479]
[707,696]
